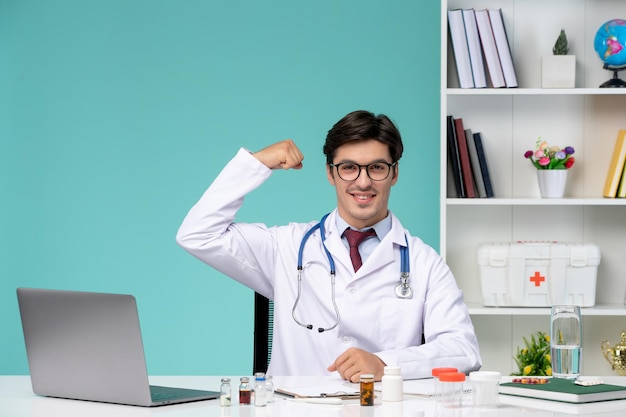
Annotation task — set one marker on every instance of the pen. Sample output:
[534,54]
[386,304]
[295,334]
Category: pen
[341,394]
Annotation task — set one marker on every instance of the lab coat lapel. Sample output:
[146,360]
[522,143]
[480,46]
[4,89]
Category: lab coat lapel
[385,252]
[334,244]
[383,255]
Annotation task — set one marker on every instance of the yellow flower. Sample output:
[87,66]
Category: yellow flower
[547,338]
[534,358]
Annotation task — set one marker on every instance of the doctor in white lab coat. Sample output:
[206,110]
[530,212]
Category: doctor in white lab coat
[364,324]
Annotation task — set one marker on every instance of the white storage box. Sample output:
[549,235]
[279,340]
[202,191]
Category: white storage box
[538,274]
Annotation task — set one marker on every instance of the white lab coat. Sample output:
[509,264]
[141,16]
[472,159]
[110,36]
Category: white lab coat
[372,317]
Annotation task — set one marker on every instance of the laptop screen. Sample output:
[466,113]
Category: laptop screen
[85,345]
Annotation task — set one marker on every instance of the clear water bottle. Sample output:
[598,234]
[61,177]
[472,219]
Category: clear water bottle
[260,391]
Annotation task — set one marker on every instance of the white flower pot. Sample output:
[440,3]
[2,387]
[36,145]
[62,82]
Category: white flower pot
[558,71]
[552,182]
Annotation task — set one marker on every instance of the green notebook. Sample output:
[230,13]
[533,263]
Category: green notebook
[558,389]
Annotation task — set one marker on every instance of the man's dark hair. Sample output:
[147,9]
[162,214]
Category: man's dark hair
[363,125]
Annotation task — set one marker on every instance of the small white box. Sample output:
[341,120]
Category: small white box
[558,71]
[538,274]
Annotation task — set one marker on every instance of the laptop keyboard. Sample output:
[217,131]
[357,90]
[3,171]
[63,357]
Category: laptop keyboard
[159,393]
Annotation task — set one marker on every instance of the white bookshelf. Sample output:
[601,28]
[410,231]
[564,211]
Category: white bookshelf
[510,120]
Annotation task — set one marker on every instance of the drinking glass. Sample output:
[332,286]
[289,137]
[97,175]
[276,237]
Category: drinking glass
[565,341]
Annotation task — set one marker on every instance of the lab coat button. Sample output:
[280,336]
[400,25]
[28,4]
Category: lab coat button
[351,290]
[345,339]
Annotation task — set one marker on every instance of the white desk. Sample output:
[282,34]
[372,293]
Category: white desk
[18,400]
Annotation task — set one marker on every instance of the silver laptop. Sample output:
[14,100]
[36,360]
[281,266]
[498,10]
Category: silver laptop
[88,346]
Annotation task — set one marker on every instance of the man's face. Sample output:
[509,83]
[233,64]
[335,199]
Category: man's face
[362,202]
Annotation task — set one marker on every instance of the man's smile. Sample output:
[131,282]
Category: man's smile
[362,198]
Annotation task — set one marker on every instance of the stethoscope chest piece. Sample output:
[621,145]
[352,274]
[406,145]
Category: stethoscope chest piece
[403,289]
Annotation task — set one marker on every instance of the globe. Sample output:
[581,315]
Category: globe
[610,43]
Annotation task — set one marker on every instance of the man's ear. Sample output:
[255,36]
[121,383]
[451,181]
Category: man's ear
[330,174]
[396,173]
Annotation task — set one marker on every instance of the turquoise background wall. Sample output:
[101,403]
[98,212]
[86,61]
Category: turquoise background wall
[115,116]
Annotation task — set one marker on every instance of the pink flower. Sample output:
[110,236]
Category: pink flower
[544,160]
[545,156]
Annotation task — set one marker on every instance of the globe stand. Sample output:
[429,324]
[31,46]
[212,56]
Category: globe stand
[614,82]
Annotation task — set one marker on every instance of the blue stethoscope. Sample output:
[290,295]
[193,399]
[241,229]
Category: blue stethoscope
[402,289]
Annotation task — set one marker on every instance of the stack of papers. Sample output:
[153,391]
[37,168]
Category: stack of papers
[424,388]
[339,390]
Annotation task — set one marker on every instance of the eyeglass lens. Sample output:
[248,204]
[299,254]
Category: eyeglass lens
[376,171]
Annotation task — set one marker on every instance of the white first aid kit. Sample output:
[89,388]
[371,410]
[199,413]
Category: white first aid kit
[538,274]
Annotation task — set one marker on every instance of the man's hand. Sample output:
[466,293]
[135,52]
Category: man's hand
[354,362]
[281,155]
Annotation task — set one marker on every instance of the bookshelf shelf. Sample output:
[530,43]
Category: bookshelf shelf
[510,120]
[535,202]
[477,309]
[534,91]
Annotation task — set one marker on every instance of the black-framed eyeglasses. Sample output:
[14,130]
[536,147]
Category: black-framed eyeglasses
[376,171]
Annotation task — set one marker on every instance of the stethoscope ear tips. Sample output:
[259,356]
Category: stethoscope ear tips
[319,329]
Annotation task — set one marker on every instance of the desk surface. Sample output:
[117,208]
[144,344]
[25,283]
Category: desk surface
[18,400]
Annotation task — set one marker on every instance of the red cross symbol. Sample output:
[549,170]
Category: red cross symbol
[537,279]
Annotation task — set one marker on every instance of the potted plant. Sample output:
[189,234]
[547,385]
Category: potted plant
[552,163]
[534,358]
[559,69]
[547,156]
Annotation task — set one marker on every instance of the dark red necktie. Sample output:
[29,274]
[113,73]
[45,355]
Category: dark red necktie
[354,240]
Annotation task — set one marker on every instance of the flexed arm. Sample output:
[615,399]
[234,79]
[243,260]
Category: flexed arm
[243,251]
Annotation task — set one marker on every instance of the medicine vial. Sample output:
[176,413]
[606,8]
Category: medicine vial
[393,385]
[452,389]
[260,391]
[225,392]
[245,392]
[367,389]
[269,385]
